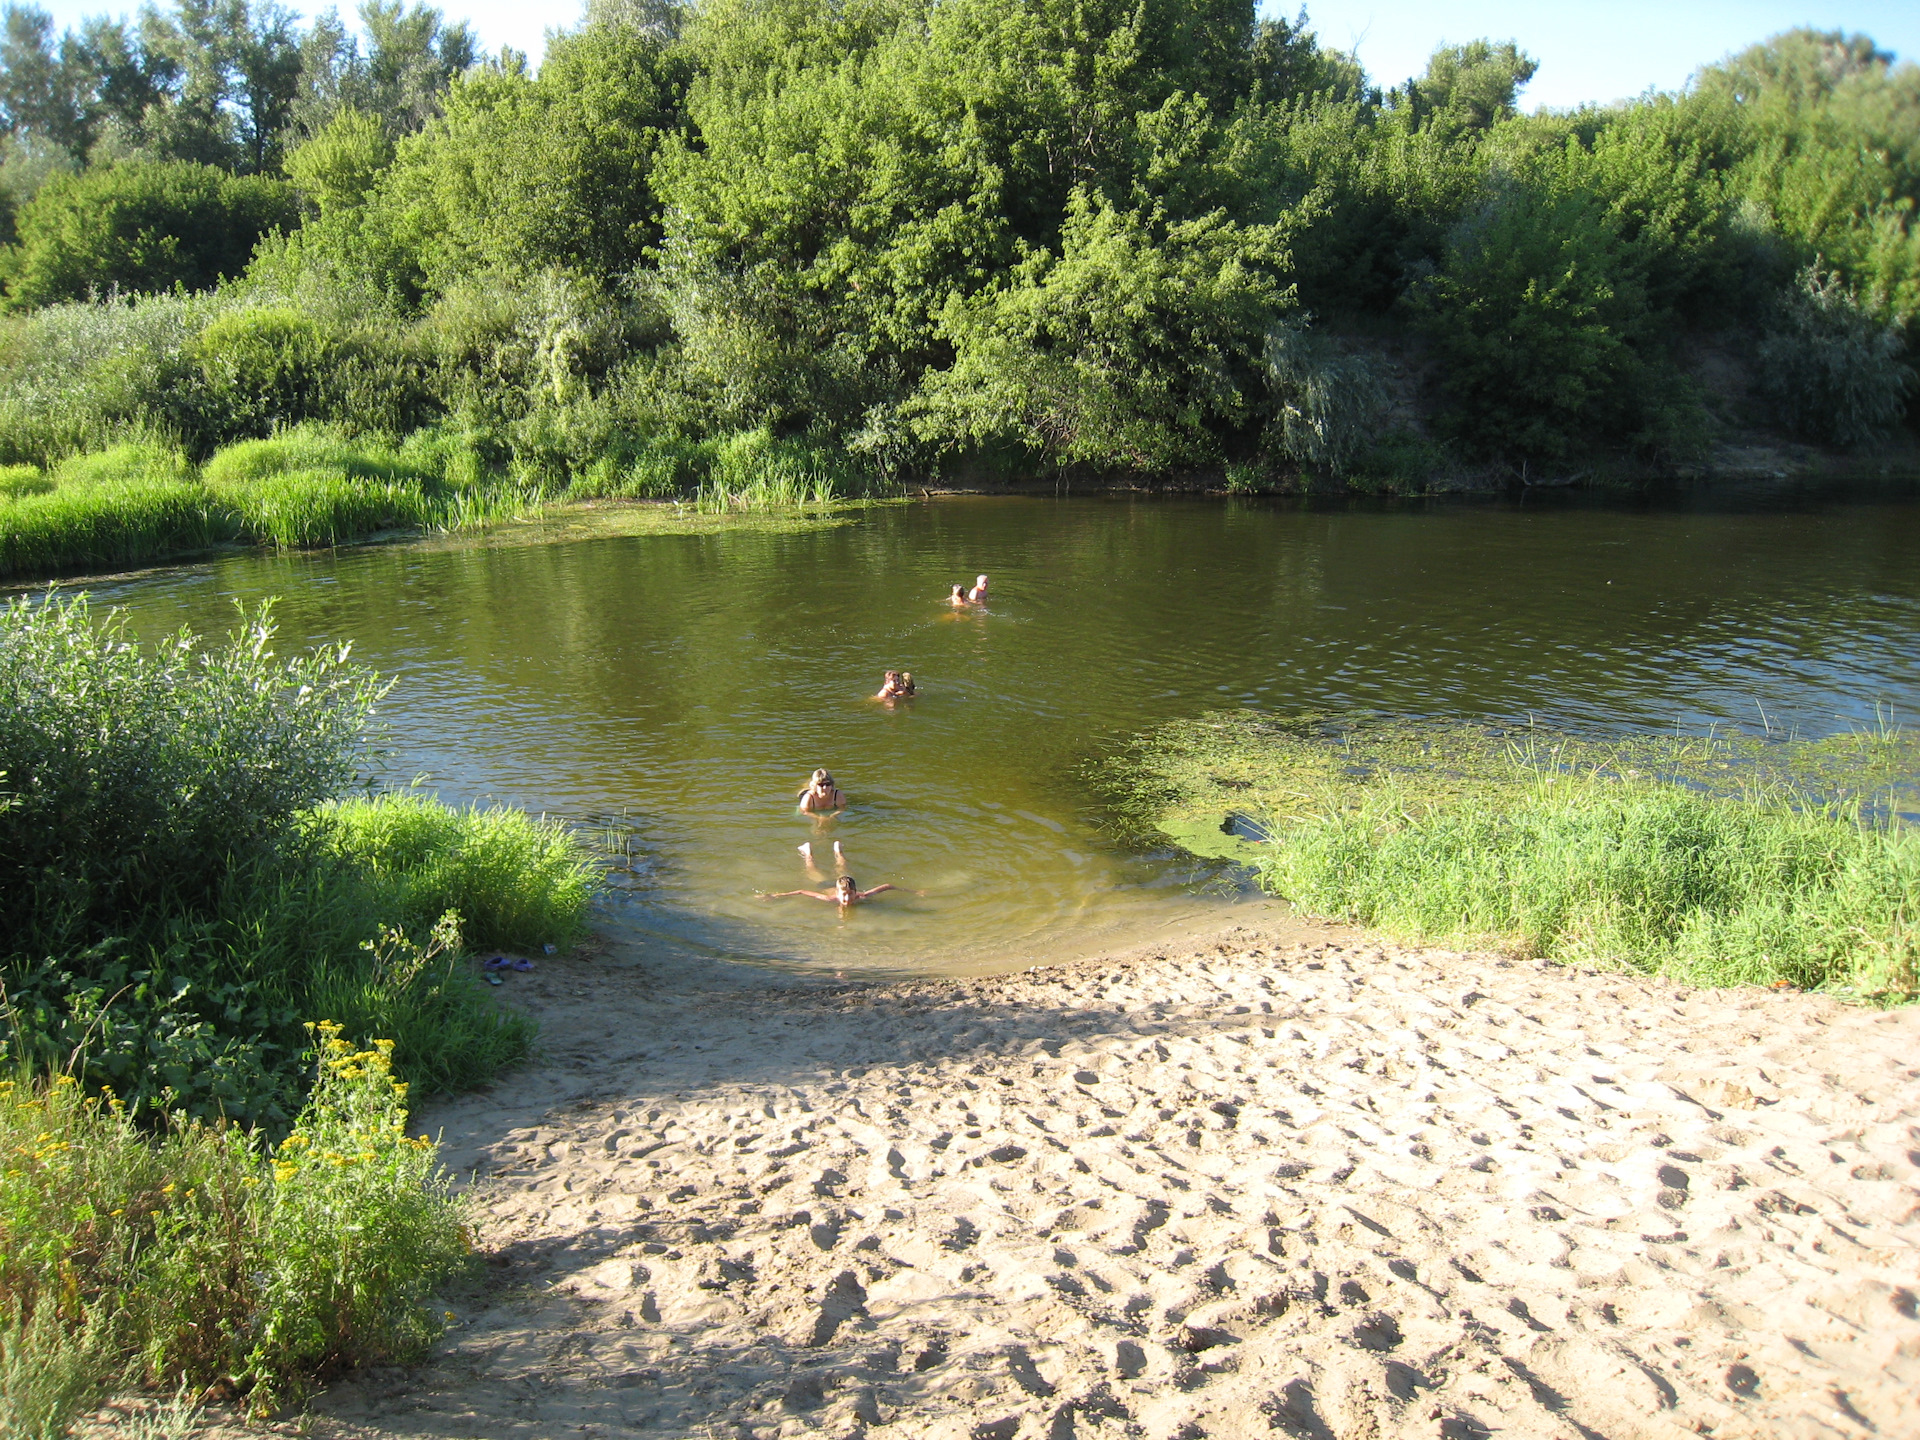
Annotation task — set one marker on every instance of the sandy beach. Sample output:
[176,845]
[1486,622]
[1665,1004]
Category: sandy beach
[1277,1182]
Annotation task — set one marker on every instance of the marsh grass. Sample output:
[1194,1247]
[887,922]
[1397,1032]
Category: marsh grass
[196,1254]
[1722,859]
[314,485]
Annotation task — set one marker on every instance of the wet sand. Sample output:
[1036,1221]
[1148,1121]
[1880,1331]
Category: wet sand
[1280,1182]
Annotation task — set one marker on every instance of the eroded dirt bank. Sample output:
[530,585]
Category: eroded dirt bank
[1315,1188]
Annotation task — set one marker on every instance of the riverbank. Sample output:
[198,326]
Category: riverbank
[1280,1181]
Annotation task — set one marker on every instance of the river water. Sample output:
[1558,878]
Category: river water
[679,688]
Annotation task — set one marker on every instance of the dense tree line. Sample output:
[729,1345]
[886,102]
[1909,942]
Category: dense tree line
[1158,236]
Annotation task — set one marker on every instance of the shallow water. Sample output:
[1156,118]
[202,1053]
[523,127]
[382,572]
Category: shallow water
[683,686]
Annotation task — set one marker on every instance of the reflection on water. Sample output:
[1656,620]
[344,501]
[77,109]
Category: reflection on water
[681,688]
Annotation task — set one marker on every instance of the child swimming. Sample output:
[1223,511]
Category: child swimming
[846,891]
[897,686]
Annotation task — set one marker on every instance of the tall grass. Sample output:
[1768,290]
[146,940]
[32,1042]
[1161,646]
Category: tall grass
[1720,862]
[310,486]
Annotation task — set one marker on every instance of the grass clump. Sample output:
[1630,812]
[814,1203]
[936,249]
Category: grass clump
[512,879]
[199,1255]
[19,480]
[1722,860]
[183,889]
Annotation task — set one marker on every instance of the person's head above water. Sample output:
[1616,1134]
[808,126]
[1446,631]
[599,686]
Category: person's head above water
[846,890]
[959,593]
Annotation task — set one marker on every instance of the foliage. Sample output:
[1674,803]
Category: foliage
[1830,372]
[512,880]
[184,887]
[140,226]
[193,1256]
[1718,860]
[1053,237]
[1332,401]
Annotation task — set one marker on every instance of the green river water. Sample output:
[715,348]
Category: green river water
[677,689]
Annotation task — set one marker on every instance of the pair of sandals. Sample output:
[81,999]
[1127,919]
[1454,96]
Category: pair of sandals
[505,962]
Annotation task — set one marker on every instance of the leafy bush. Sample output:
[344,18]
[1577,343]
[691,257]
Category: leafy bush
[194,1257]
[264,366]
[360,1231]
[1828,370]
[182,895]
[138,777]
[141,226]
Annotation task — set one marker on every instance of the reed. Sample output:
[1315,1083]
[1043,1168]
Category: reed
[300,509]
[108,524]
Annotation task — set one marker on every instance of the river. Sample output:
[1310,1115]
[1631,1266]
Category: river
[676,690]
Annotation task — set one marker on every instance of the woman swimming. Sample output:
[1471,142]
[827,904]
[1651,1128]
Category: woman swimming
[978,594]
[820,796]
[846,891]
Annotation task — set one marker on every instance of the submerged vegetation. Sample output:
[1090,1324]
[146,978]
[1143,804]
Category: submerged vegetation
[762,255]
[1717,860]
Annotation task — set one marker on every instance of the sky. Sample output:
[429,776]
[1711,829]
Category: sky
[1589,50]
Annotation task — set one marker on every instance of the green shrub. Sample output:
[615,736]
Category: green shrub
[264,366]
[182,893]
[1329,403]
[139,775]
[1830,372]
[18,480]
[360,1230]
[192,1257]
[141,226]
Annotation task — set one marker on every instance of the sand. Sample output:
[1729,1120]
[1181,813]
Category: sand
[1270,1184]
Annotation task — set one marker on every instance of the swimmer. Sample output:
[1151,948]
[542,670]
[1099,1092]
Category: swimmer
[820,796]
[978,594]
[906,683]
[895,687]
[813,870]
[959,596]
[846,891]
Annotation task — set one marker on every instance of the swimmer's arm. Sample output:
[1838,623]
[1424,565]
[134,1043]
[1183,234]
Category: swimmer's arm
[878,889]
[810,894]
